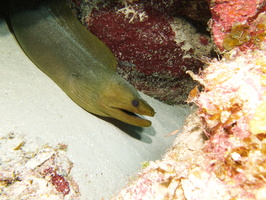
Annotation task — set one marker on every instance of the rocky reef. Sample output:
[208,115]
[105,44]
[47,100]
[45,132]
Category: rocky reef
[155,42]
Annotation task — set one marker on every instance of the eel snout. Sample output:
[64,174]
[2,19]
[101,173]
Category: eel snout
[122,101]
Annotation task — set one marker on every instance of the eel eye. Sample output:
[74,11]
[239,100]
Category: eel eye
[135,103]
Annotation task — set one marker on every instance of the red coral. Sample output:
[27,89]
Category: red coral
[153,44]
[148,44]
[203,40]
[60,184]
[58,181]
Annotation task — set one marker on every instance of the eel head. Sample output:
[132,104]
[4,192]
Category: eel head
[121,101]
[116,98]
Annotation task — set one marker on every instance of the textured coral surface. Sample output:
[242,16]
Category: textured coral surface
[230,162]
[236,23]
[229,103]
[30,171]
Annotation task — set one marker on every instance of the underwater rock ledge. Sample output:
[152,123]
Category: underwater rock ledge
[221,152]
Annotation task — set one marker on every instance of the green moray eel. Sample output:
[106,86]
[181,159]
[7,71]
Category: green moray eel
[76,60]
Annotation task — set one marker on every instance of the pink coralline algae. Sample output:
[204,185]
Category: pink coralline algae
[58,181]
[236,129]
[235,23]
[34,170]
[230,163]
[152,45]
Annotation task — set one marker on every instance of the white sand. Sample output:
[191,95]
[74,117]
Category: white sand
[105,155]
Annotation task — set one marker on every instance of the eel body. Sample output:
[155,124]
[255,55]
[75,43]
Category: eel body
[81,64]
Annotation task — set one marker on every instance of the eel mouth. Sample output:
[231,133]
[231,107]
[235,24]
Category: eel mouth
[131,114]
[130,117]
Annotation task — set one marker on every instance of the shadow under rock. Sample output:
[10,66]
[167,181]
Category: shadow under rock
[139,133]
